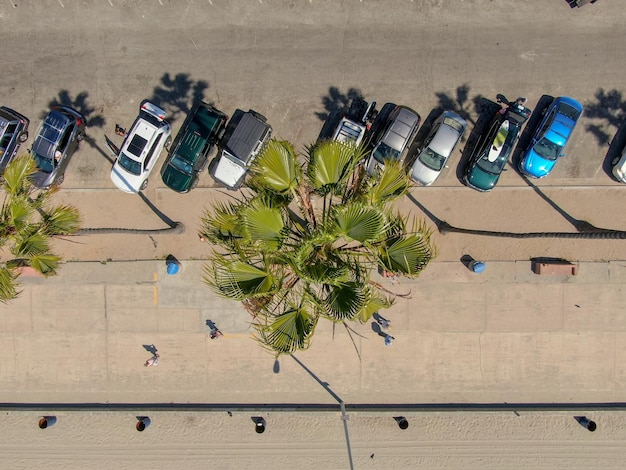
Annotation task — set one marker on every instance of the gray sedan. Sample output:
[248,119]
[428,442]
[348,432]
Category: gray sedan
[438,146]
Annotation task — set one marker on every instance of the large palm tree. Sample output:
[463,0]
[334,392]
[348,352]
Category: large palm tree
[301,242]
[27,222]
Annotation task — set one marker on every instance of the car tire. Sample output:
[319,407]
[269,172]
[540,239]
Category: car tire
[80,136]
[23,137]
[144,185]
[615,161]
[168,142]
[59,180]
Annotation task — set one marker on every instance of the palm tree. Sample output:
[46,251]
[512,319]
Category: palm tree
[300,244]
[27,222]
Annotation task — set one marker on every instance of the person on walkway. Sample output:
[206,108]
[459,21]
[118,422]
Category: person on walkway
[153,361]
[388,339]
[215,333]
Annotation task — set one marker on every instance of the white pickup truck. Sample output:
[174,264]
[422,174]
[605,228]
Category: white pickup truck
[248,138]
[352,131]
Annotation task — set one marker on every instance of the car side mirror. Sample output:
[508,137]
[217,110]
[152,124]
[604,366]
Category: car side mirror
[562,155]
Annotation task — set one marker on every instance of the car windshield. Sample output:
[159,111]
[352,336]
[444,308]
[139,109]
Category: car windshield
[182,165]
[495,167]
[130,165]
[384,152]
[432,159]
[548,150]
[569,111]
[453,123]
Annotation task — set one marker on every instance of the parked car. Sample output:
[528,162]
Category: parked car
[550,138]
[56,141]
[142,146]
[619,167]
[13,133]
[396,138]
[249,136]
[188,156]
[494,148]
[443,137]
[352,130]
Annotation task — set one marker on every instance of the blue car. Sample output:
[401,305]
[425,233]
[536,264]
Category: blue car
[550,138]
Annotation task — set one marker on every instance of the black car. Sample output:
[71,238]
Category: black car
[494,147]
[13,133]
[56,142]
[201,131]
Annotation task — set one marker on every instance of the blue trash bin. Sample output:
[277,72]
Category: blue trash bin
[172,267]
[477,266]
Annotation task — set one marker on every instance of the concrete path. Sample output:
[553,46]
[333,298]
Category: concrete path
[506,335]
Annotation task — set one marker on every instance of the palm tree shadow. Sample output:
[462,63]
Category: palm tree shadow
[165,219]
[610,110]
[460,103]
[335,104]
[176,95]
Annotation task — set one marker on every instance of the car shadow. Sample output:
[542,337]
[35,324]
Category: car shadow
[529,129]
[616,148]
[460,103]
[486,109]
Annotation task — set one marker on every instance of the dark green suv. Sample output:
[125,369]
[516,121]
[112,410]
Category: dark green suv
[188,156]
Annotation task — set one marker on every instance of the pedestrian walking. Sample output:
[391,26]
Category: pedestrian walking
[388,339]
[153,361]
[216,333]
[384,323]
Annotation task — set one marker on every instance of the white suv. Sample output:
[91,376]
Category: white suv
[141,149]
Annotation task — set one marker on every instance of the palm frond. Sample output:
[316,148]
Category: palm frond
[331,164]
[389,184]
[276,168]
[262,224]
[238,280]
[29,244]
[46,263]
[408,254]
[358,222]
[61,220]
[289,331]
[344,302]
[8,284]
[17,173]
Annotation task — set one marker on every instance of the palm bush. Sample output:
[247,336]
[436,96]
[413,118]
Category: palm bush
[27,223]
[301,242]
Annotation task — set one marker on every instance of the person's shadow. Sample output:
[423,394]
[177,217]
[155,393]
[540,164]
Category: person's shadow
[377,329]
[211,325]
[151,348]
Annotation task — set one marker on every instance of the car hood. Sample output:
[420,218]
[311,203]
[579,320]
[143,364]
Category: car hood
[229,171]
[481,180]
[44,147]
[41,179]
[175,179]
[537,166]
[124,180]
[423,175]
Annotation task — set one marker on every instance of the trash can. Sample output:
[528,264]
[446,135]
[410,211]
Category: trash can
[477,267]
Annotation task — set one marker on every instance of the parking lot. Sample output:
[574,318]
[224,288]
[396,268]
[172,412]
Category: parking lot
[300,63]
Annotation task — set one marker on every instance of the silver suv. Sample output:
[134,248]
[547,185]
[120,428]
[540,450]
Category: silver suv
[396,139]
[13,133]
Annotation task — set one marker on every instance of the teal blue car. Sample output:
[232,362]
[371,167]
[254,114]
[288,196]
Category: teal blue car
[188,156]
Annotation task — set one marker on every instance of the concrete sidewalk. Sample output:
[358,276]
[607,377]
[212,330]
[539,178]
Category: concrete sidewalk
[506,335]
